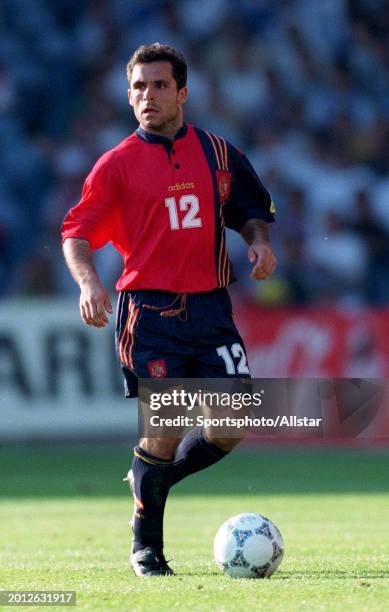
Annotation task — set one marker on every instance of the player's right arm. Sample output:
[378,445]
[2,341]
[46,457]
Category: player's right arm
[89,226]
[95,304]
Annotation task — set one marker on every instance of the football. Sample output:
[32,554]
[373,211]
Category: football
[248,546]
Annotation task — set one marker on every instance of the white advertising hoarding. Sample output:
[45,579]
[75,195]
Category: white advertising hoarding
[58,377]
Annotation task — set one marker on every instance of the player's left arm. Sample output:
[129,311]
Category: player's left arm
[256,233]
[249,210]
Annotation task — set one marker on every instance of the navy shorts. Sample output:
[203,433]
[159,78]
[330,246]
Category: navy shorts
[167,335]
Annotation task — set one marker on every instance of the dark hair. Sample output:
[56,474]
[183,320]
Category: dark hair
[146,54]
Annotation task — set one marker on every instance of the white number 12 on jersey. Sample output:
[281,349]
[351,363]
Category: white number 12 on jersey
[186,201]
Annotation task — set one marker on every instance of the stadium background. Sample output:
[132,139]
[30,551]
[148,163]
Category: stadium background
[298,84]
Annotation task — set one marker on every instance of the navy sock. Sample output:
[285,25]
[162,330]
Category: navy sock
[152,478]
[193,454]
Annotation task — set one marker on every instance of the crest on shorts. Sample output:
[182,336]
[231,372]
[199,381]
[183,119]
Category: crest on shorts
[223,179]
[157,368]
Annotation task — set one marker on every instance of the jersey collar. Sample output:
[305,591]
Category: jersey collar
[156,139]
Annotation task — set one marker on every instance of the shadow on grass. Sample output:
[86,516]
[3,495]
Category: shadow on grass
[97,470]
[303,575]
[331,574]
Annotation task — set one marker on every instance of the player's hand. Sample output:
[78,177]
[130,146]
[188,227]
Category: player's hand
[261,254]
[95,305]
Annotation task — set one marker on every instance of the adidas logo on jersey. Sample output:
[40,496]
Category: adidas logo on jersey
[179,186]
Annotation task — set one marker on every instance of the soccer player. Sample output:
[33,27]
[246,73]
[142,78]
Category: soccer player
[163,197]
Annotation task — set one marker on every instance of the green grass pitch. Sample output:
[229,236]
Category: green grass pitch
[64,525]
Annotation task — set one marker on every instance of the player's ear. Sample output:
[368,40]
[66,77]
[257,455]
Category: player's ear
[129,97]
[182,95]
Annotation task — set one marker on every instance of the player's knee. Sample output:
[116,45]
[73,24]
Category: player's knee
[164,448]
[225,444]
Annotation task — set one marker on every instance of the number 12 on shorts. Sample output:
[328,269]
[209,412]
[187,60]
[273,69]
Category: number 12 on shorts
[227,356]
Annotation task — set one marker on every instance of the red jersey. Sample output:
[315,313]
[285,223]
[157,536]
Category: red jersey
[164,204]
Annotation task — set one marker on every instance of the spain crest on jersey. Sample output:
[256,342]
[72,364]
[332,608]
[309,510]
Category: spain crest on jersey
[157,368]
[223,179]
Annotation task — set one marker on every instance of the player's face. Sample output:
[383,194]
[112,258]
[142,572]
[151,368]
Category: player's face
[154,96]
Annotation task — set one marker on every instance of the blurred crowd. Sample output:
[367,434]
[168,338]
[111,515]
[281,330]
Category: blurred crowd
[299,85]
